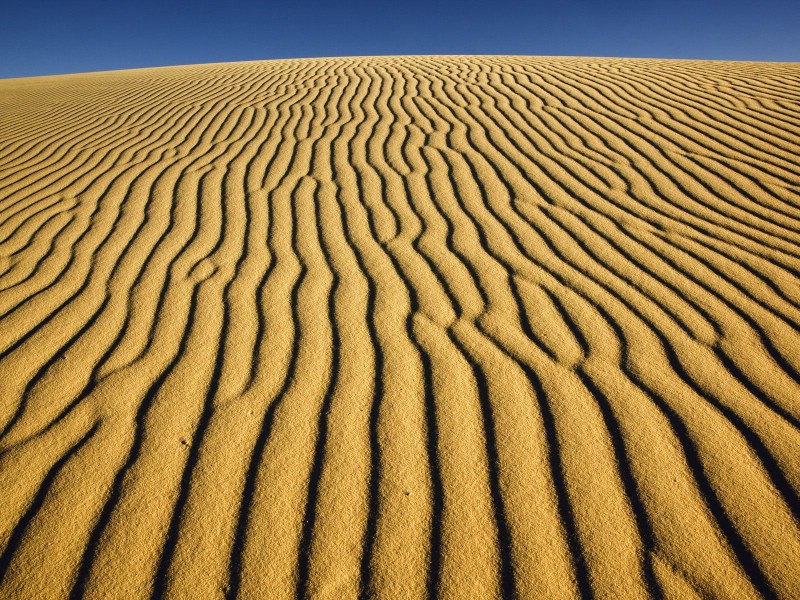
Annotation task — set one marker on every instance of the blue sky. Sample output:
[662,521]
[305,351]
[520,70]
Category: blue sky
[46,37]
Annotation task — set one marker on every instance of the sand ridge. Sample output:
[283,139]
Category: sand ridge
[401,327]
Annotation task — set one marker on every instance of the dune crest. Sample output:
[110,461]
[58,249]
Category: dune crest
[401,327]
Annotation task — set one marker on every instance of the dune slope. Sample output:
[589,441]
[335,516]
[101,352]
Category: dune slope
[457,327]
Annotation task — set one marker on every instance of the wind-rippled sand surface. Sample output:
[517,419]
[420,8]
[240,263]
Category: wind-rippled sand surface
[401,328]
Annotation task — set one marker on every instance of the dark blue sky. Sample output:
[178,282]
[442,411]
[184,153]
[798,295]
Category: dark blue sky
[45,37]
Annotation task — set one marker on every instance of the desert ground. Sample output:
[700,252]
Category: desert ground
[401,327]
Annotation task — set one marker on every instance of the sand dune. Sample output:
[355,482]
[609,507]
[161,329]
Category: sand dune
[401,328]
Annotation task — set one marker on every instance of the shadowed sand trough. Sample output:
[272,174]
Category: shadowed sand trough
[401,328]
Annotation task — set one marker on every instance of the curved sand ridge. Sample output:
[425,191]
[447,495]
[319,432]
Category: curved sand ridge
[401,328]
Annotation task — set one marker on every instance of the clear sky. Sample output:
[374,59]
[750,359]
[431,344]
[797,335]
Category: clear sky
[39,37]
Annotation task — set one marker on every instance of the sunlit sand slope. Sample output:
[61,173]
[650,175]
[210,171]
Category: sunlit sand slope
[401,328]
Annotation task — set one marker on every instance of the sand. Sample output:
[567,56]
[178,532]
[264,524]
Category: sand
[455,327]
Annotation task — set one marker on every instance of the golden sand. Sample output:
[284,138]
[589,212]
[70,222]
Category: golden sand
[401,328]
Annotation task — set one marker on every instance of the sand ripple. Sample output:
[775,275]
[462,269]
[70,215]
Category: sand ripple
[401,328]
